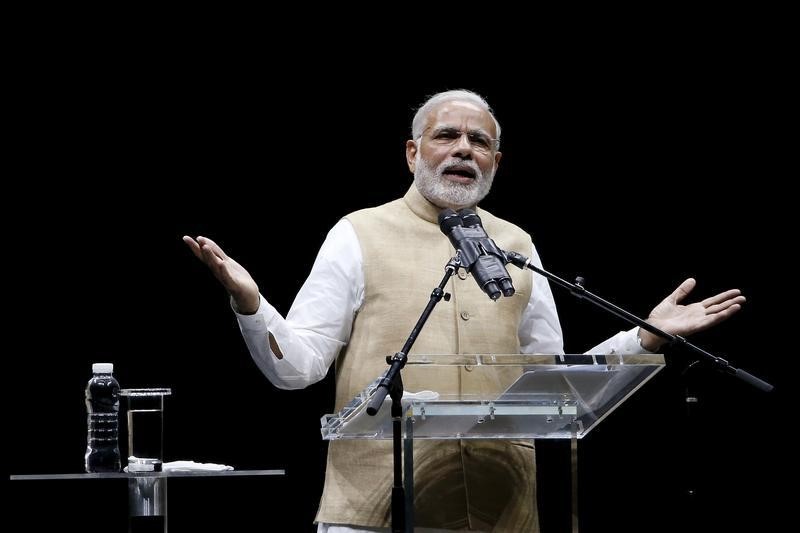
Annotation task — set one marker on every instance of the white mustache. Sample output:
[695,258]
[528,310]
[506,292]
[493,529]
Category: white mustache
[459,164]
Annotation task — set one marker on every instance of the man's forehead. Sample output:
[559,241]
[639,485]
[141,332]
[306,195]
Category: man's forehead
[458,113]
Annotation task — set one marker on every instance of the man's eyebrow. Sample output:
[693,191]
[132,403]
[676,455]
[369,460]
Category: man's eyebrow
[455,128]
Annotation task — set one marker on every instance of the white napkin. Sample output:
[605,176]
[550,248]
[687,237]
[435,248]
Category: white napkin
[191,466]
[423,395]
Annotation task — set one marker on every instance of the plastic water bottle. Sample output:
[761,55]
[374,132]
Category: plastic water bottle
[102,409]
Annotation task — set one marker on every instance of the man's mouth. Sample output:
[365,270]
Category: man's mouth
[459,174]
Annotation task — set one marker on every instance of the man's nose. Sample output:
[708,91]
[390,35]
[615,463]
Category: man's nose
[462,146]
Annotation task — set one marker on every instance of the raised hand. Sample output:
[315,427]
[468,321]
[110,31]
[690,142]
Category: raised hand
[233,276]
[676,319]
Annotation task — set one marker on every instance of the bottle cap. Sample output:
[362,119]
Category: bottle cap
[102,368]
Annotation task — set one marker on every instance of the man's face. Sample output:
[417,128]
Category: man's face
[455,160]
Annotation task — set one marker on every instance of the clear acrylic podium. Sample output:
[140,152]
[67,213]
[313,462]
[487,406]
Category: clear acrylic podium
[498,397]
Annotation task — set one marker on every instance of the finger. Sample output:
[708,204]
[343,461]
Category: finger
[717,308]
[210,255]
[205,241]
[682,291]
[721,297]
[716,318]
[193,246]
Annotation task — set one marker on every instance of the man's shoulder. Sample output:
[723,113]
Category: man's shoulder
[499,224]
[375,211]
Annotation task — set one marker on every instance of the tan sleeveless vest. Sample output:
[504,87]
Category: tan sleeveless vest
[458,484]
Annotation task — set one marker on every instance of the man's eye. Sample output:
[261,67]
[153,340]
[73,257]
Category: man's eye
[480,140]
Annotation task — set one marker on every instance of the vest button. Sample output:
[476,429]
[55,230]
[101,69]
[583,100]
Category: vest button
[468,368]
[465,315]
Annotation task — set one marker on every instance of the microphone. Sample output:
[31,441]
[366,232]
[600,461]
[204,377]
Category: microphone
[480,256]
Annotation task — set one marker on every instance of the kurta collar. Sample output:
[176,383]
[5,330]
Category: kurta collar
[420,205]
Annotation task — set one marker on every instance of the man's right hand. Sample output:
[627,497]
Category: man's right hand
[233,276]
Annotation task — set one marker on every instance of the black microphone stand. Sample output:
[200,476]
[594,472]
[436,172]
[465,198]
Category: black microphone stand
[392,384]
[578,290]
[689,460]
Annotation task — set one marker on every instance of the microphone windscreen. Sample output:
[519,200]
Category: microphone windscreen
[449,219]
[469,217]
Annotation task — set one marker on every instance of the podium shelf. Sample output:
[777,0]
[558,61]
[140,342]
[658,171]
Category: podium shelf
[486,396]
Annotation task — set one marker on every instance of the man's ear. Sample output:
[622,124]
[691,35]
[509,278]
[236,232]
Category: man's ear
[411,155]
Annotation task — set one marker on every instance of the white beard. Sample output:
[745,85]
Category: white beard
[445,193]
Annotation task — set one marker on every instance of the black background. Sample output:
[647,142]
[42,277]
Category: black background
[630,173]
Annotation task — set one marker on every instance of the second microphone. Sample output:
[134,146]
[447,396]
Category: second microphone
[480,256]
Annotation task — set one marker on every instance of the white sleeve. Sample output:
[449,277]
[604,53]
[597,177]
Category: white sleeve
[623,343]
[540,329]
[319,322]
